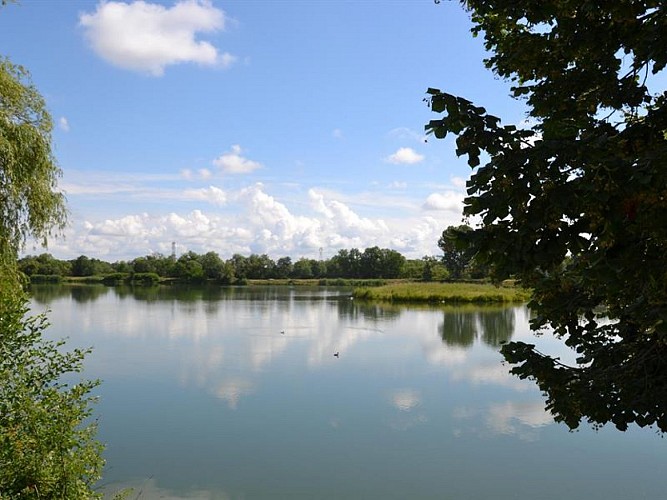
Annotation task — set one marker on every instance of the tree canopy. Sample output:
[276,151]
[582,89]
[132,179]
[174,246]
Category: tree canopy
[30,204]
[573,203]
[456,255]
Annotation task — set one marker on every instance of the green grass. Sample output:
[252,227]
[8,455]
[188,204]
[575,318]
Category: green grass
[443,293]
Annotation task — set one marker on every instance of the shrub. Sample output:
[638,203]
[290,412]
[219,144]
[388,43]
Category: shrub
[115,279]
[145,278]
[47,440]
[45,278]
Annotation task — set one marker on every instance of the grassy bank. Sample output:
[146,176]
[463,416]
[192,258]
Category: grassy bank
[443,293]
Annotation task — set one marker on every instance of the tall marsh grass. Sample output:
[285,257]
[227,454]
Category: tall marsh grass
[443,293]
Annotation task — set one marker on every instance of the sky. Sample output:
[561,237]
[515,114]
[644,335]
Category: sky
[291,128]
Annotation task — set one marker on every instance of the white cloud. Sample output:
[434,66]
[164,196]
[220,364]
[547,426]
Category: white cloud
[337,133]
[147,37]
[405,156]
[63,124]
[130,225]
[211,194]
[254,220]
[233,163]
[343,222]
[202,173]
[449,201]
[279,227]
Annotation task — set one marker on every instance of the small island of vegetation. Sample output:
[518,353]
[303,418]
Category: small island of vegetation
[461,292]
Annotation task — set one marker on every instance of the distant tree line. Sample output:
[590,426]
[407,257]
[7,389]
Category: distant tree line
[371,263]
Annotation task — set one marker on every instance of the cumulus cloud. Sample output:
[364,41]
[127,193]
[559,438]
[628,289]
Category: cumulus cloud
[254,220]
[147,37]
[63,124]
[233,163]
[341,219]
[279,227]
[211,194]
[405,156]
[449,201]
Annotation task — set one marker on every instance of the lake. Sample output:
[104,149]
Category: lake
[236,393]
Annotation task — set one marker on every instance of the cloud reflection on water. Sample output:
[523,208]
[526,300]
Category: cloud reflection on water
[224,340]
[519,418]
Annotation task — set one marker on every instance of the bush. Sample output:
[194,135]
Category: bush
[47,441]
[45,278]
[115,279]
[145,278]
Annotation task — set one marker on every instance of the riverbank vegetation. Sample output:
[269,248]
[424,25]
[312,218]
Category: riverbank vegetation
[370,264]
[448,293]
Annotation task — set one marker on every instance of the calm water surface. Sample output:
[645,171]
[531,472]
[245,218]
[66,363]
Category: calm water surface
[236,394]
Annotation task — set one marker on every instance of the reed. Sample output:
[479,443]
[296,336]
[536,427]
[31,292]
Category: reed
[443,293]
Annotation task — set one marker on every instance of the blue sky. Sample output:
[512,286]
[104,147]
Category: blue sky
[277,127]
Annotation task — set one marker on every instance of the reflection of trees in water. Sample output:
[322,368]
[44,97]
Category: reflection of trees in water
[356,310]
[181,293]
[45,294]
[497,326]
[88,293]
[461,326]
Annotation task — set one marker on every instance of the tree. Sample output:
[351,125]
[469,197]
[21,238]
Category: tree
[345,264]
[303,269]
[240,265]
[188,268]
[456,254]
[284,267]
[573,203]
[30,204]
[212,265]
[44,264]
[83,266]
[260,267]
[47,450]
[376,262]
